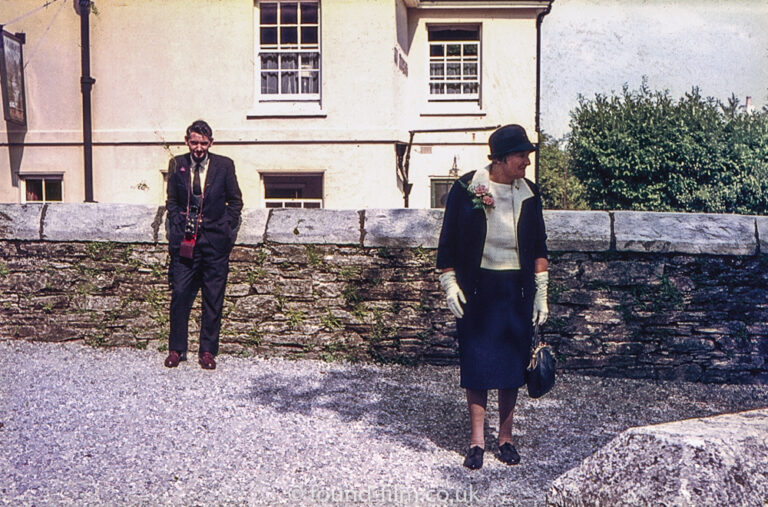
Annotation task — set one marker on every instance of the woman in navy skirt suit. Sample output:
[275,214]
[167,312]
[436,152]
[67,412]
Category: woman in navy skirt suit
[493,257]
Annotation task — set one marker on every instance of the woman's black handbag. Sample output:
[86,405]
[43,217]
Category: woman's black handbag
[540,374]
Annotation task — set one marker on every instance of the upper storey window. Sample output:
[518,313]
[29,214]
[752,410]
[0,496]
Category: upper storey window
[289,50]
[454,62]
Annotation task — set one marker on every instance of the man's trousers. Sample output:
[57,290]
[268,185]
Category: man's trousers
[207,270]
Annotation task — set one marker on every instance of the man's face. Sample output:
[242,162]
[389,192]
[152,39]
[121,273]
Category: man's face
[198,145]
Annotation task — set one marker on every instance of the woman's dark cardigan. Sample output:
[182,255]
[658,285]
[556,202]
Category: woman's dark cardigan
[462,237]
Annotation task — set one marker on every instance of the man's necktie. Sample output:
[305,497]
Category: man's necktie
[196,183]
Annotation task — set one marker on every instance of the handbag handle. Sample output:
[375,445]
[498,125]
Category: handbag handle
[535,340]
[534,346]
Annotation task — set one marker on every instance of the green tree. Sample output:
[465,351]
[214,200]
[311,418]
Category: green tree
[560,189]
[642,150]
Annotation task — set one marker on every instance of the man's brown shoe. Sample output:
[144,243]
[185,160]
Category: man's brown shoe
[174,358]
[207,361]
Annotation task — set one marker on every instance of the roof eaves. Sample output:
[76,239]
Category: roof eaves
[479,4]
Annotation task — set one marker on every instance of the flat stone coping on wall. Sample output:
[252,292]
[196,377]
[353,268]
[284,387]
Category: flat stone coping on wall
[125,223]
[402,227]
[574,231]
[340,227]
[578,231]
[253,226]
[762,233]
[21,221]
[718,460]
[690,233]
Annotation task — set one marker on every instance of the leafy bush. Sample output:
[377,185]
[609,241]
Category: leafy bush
[560,189]
[645,151]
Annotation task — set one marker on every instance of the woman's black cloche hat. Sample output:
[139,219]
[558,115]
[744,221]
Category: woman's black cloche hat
[509,139]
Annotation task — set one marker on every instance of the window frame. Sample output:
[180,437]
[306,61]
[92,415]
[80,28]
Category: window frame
[45,178]
[449,181]
[281,50]
[295,202]
[462,60]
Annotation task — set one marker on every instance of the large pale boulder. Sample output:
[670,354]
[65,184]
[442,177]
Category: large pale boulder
[720,460]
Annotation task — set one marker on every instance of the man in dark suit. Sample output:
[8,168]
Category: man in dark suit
[204,205]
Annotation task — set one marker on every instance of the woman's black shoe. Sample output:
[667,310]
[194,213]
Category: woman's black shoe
[474,459]
[508,454]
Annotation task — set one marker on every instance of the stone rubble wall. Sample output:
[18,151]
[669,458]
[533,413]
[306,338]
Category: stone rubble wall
[632,294]
[716,460]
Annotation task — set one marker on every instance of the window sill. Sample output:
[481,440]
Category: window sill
[287,110]
[448,108]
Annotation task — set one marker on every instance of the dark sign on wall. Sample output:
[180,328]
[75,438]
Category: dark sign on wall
[12,78]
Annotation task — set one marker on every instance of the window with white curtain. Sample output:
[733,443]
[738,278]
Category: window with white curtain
[454,62]
[289,50]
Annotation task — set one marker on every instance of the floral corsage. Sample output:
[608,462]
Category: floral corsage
[481,197]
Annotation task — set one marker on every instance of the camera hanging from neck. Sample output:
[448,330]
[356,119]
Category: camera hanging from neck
[194,215]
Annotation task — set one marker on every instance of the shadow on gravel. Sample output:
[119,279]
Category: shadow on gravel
[553,434]
[399,404]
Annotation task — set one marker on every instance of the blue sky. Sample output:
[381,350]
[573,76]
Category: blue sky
[596,46]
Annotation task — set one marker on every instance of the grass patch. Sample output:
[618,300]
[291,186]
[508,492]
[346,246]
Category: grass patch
[259,257]
[254,336]
[314,256]
[335,351]
[421,254]
[330,321]
[85,288]
[253,275]
[349,272]
[351,295]
[100,250]
[295,318]
[86,271]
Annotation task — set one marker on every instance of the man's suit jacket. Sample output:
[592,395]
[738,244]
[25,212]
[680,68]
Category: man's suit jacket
[222,202]
[462,237]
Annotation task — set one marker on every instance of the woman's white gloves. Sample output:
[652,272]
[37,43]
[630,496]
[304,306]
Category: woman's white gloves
[453,294]
[455,297]
[540,308]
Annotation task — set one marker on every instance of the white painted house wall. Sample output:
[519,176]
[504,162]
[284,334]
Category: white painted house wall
[160,64]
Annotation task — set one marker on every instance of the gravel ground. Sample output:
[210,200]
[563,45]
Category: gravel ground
[92,426]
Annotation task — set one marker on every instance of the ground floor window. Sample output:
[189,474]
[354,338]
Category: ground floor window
[440,189]
[293,190]
[41,188]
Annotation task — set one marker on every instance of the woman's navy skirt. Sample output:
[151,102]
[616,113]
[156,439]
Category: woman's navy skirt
[495,333]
